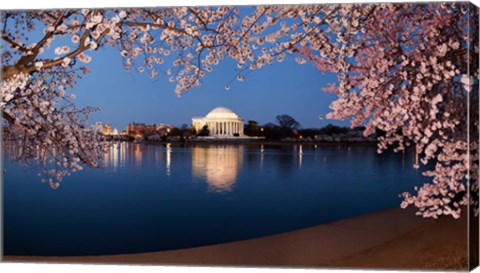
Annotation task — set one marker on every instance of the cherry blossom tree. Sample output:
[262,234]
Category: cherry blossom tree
[411,70]
[407,69]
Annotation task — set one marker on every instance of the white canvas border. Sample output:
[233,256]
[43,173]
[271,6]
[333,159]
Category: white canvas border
[77,268]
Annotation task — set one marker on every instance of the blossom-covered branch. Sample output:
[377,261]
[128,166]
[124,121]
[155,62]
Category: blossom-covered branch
[411,70]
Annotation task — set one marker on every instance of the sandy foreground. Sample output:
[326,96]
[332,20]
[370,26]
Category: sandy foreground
[392,238]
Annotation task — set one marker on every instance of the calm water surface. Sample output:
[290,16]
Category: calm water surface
[153,197]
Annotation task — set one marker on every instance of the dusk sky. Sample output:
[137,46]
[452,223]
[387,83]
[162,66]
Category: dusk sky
[282,88]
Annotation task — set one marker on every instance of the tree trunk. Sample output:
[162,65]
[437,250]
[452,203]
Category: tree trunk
[10,71]
[8,118]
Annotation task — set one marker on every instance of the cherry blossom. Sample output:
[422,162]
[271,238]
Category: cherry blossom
[406,69]
[409,70]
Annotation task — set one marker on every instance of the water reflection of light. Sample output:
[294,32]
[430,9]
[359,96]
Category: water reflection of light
[300,156]
[114,150]
[261,155]
[111,156]
[218,165]
[138,155]
[169,154]
[123,153]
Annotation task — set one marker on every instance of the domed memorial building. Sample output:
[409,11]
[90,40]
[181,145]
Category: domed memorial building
[221,122]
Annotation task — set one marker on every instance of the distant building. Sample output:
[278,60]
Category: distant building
[221,122]
[162,126]
[107,129]
[141,130]
[102,128]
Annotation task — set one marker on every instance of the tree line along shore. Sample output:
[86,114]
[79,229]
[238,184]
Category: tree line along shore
[285,130]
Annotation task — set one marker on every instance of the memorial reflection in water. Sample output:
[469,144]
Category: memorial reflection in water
[219,166]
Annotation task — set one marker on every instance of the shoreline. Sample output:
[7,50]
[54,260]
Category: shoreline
[250,143]
[386,239]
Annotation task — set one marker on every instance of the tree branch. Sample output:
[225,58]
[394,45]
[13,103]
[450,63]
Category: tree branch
[8,117]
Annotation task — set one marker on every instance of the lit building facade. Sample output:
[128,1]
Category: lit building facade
[221,122]
[102,128]
[140,130]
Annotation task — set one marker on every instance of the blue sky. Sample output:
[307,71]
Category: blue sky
[124,97]
[283,88]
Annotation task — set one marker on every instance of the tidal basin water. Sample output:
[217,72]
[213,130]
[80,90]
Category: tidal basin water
[159,197]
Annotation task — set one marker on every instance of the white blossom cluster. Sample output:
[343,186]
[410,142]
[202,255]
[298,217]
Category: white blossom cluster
[414,81]
[46,128]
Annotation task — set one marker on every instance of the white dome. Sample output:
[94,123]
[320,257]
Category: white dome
[221,112]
